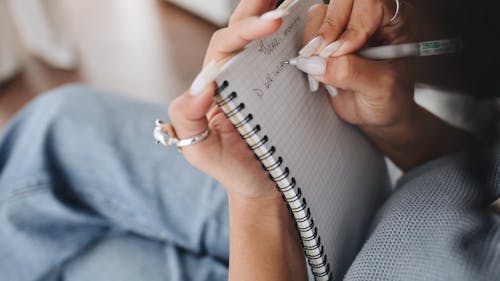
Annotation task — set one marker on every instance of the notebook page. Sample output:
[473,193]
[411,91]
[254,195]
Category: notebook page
[339,172]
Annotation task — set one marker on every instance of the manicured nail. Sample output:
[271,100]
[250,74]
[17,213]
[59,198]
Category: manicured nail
[274,15]
[311,65]
[314,7]
[330,49]
[311,47]
[313,83]
[332,90]
[292,4]
[293,61]
[206,76]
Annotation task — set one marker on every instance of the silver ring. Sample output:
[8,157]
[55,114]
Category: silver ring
[396,14]
[165,135]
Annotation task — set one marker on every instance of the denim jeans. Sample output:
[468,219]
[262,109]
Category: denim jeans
[86,194]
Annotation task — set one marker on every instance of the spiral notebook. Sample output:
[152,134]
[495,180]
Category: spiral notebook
[331,176]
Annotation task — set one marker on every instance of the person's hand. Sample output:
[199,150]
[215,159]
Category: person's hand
[370,93]
[348,25]
[224,155]
[377,96]
[264,244]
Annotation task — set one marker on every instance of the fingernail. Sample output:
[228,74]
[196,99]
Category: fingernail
[313,83]
[293,61]
[332,90]
[311,47]
[311,65]
[314,7]
[292,4]
[274,15]
[330,49]
[205,77]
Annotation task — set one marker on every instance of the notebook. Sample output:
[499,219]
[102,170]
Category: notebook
[331,176]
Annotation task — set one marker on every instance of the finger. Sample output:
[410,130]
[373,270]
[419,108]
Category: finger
[353,73]
[391,12]
[388,35]
[398,32]
[366,18]
[250,8]
[188,113]
[314,21]
[234,38]
[335,21]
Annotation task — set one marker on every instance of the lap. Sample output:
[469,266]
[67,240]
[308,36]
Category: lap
[85,159]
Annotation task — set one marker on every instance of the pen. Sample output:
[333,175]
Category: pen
[421,49]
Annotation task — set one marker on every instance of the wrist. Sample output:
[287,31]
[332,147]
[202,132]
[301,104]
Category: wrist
[271,206]
[400,133]
[403,142]
[263,236]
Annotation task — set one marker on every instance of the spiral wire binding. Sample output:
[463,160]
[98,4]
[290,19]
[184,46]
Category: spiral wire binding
[304,223]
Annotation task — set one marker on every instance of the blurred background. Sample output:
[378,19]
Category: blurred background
[149,49]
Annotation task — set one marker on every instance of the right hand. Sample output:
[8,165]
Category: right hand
[378,97]
[371,93]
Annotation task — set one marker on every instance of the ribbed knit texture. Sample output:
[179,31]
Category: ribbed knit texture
[437,226]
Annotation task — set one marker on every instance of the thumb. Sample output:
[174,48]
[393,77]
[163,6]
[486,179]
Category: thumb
[355,74]
[188,113]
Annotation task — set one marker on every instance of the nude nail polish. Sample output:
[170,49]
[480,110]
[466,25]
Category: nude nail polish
[274,15]
[331,49]
[204,78]
[332,90]
[311,65]
[311,47]
[313,83]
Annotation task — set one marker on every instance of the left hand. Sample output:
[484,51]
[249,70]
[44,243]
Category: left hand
[264,244]
[224,155]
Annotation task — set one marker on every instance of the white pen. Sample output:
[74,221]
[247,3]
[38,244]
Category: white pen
[421,49]
[316,65]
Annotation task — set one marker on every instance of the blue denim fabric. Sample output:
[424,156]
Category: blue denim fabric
[86,194]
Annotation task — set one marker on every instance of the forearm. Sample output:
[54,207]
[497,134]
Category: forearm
[419,139]
[264,244]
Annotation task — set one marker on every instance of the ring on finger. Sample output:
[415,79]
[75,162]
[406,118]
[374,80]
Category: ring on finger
[396,13]
[164,134]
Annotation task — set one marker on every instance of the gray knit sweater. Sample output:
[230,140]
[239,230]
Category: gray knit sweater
[437,225]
